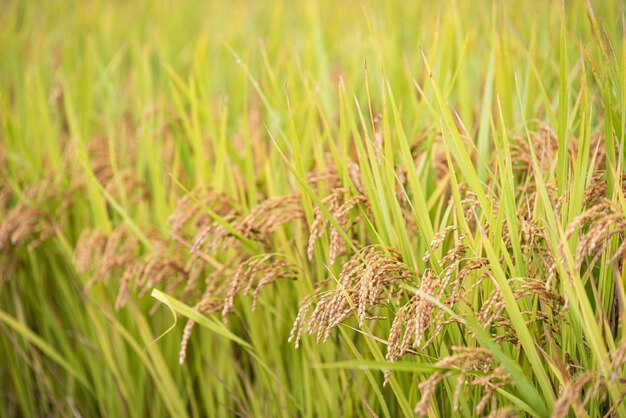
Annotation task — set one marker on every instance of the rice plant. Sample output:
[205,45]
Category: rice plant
[312,208]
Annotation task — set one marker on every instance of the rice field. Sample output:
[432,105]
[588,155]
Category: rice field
[312,208]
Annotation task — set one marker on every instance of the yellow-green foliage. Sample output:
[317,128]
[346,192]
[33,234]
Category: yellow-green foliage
[312,208]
